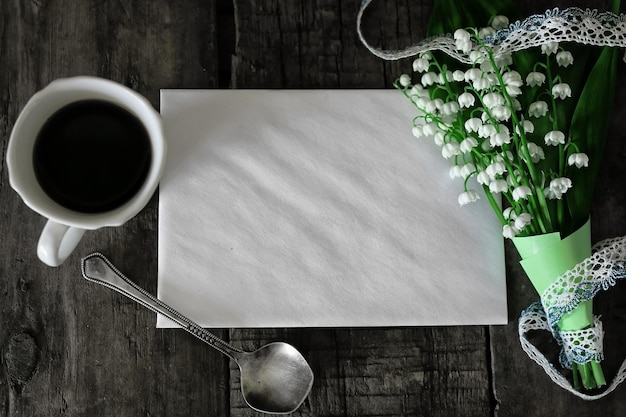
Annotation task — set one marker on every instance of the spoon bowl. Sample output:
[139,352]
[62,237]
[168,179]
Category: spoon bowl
[274,378]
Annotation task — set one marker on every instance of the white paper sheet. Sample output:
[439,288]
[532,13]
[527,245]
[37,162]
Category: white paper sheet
[314,208]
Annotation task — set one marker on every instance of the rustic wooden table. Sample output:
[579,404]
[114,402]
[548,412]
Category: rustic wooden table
[72,348]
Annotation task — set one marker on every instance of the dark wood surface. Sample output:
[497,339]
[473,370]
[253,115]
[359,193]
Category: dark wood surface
[72,348]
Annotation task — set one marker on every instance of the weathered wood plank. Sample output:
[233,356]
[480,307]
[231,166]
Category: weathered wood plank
[359,372]
[70,347]
[385,372]
[315,45]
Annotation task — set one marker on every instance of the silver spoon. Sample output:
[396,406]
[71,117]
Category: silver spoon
[274,379]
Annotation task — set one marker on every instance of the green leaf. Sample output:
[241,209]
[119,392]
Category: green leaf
[588,130]
[589,127]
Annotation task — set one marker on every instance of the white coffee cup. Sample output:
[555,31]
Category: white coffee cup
[65,227]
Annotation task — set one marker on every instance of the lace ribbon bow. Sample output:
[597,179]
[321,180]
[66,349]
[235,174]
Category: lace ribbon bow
[598,272]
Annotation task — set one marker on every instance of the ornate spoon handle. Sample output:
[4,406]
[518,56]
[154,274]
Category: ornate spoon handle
[98,269]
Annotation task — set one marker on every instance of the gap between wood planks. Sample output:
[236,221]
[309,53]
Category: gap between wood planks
[491,380]
[226,37]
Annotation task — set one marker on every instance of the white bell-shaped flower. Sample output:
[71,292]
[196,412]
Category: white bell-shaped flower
[501,113]
[549,48]
[499,139]
[483,178]
[468,196]
[536,152]
[579,159]
[513,82]
[418,131]
[526,126]
[535,79]
[564,59]
[492,100]
[509,231]
[473,124]
[500,22]
[538,109]
[430,129]
[562,91]
[405,80]
[522,221]
[458,76]
[466,100]
[467,170]
[455,172]
[521,193]
[468,144]
[429,79]
[450,149]
[554,138]
[495,168]
[421,65]
[498,186]
[558,187]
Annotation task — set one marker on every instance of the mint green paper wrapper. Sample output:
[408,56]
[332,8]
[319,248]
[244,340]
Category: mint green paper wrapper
[545,257]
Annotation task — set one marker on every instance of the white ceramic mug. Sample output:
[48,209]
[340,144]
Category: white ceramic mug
[65,227]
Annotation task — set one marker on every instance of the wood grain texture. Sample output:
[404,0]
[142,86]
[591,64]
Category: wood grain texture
[72,348]
[386,372]
[314,44]
[359,372]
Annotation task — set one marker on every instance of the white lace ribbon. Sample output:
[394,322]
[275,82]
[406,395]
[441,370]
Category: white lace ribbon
[599,272]
[573,24]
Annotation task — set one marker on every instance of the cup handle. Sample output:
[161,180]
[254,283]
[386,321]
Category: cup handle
[57,241]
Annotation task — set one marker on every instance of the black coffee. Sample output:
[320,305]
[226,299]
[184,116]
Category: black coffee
[92,156]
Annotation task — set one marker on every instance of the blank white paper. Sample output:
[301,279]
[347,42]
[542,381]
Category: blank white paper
[315,208]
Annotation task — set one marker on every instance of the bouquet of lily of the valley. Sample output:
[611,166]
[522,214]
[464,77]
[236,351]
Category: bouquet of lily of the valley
[527,128]
[521,111]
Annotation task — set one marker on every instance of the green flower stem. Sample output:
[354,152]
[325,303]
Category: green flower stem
[442,70]
[585,376]
[546,257]
[535,209]
[560,206]
[403,89]
[598,375]
[575,376]
[495,206]
[554,118]
[540,220]
[511,169]
[538,204]
[541,205]
[590,374]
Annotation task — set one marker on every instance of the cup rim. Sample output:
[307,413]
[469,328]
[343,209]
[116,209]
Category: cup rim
[36,199]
